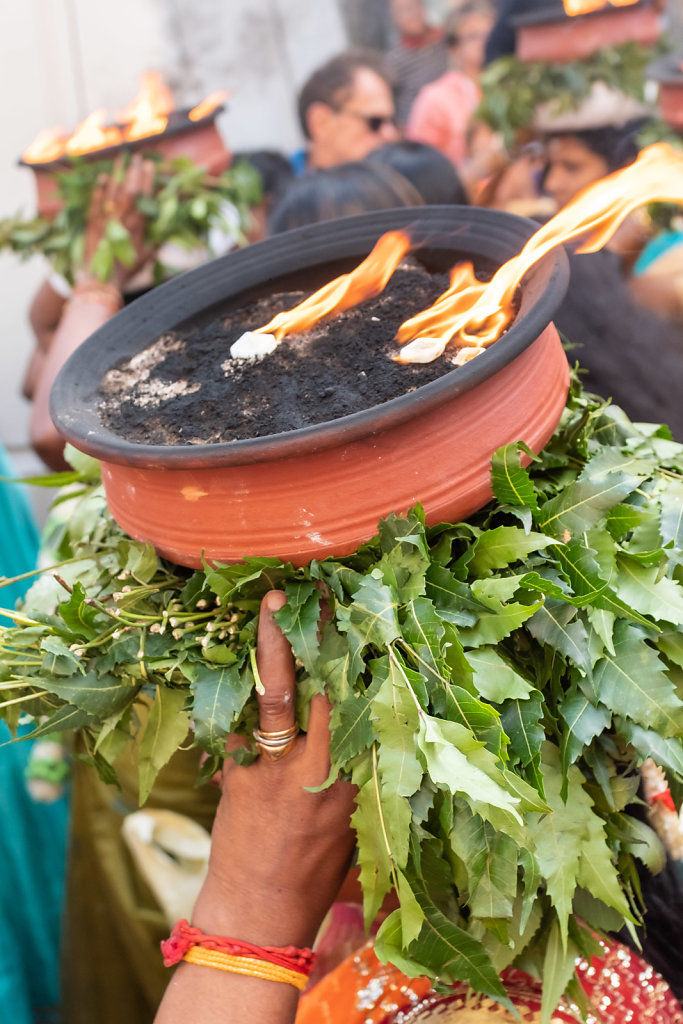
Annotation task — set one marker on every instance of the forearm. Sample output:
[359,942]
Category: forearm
[206,995]
[83,314]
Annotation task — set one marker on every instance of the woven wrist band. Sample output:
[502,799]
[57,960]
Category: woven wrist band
[273,963]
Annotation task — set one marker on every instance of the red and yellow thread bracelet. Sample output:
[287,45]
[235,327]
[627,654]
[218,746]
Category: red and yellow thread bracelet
[245,965]
[274,963]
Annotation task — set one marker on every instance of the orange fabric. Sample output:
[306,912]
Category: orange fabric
[441,114]
[360,991]
[363,991]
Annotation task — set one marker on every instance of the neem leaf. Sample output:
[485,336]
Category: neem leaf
[583,723]
[453,599]
[556,624]
[351,729]
[252,575]
[671,521]
[67,719]
[491,860]
[167,727]
[370,619]
[449,952]
[558,970]
[511,484]
[78,615]
[503,545]
[641,587]
[299,620]
[668,753]
[98,695]
[499,618]
[523,723]
[604,482]
[395,715]
[579,565]
[494,678]
[560,835]
[373,852]
[633,682]
[219,695]
[457,761]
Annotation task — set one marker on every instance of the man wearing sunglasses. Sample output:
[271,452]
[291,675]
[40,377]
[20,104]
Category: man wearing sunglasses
[346,109]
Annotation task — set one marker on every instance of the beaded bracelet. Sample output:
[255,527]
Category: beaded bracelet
[288,964]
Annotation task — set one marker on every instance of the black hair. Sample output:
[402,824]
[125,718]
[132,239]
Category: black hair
[662,936]
[617,145]
[432,173]
[353,187]
[331,83]
[274,169]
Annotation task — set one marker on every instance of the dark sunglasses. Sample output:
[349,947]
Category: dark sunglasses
[374,122]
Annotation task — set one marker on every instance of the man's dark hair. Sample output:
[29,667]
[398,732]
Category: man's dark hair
[333,82]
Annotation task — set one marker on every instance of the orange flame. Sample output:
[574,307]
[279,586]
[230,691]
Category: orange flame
[574,7]
[473,314]
[47,145]
[367,280]
[146,115]
[93,134]
[208,105]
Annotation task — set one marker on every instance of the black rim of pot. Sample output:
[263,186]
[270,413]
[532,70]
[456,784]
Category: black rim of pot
[463,231]
[179,123]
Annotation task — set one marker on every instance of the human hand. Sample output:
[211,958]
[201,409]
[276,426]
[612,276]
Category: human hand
[279,853]
[114,207]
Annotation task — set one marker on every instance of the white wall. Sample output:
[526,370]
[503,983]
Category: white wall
[59,59]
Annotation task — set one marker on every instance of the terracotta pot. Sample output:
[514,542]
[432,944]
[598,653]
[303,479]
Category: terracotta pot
[553,37]
[200,141]
[668,72]
[321,490]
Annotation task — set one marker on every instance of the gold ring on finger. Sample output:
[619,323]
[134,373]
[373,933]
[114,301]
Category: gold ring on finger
[275,745]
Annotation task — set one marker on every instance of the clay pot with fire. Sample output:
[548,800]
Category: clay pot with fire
[557,34]
[320,488]
[316,484]
[150,122]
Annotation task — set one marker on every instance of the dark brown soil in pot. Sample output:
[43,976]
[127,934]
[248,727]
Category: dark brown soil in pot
[186,388]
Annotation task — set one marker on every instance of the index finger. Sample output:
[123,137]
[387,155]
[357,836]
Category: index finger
[275,663]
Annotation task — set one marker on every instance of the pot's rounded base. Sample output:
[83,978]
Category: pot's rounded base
[440,458]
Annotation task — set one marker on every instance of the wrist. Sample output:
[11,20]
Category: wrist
[88,289]
[266,917]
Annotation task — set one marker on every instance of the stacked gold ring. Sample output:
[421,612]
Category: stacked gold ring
[274,745]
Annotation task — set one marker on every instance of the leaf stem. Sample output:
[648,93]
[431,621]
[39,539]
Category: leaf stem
[375,778]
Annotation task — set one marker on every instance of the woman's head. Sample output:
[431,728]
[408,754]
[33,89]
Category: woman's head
[342,191]
[576,159]
[428,170]
[466,30]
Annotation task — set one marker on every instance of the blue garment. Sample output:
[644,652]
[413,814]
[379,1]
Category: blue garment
[18,536]
[657,247]
[32,835]
[299,162]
